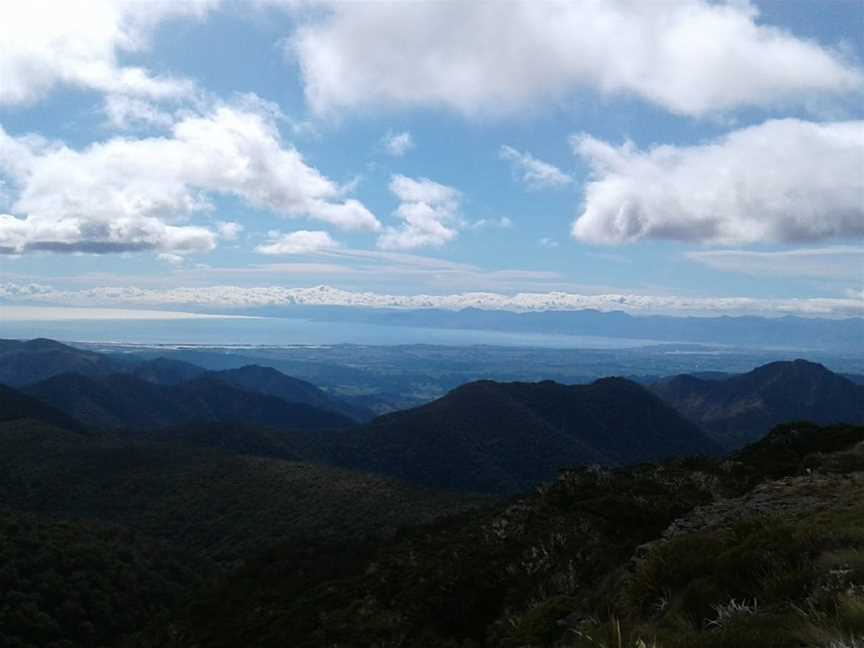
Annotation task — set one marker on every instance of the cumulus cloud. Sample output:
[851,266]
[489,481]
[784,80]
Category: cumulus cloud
[299,242]
[229,296]
[79,43]
[841,262]
[397,144]
[534,173]
[429,211]
[691,57]
[131,194]
[782,181]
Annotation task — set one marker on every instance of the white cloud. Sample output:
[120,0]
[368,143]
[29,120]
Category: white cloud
[488,223]
[78,43]
[691,57]
[131,194]
[534,173]
[397,144]
[172,259]
[299,242]
[430,213]
[781,181]
[125,113]
[548,243]
[842,262]
[229,231]
[229,296]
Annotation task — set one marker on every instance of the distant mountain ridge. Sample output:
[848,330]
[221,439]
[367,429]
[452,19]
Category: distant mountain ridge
[25,363]
[743,408]
[745,330]
[269,381]
[122,400]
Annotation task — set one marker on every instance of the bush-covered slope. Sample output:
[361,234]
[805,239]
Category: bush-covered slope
[758,550]
[77,584]
[207,501]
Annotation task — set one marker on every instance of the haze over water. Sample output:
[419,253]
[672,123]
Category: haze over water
[287,331]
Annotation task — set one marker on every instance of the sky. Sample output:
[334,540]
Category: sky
[666,156]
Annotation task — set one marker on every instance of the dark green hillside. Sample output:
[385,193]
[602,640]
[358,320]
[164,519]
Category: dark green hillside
[761,550]
[507,437]
[14,405]
[743,408]
[205,500]
[81,584]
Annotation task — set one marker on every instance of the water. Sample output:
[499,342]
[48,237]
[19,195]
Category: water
[286,331]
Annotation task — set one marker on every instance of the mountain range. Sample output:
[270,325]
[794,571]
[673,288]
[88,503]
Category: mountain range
[550,317]
[740,409]
[122,400]
[123,389]
[484,436]
[151,502]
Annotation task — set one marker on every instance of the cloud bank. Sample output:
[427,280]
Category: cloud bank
[783,181]
[233,297]
[690,57]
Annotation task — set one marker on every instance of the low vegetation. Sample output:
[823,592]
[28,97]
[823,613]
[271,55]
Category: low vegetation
[759,550]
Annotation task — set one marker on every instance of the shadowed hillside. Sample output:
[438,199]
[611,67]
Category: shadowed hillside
[506,437]
[761,551]
[14,406]
[122,400]
[210,501]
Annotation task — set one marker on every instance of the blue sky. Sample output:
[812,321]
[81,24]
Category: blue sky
[672,156]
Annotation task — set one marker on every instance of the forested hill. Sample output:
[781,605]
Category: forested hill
[506,437]
[740,409]
[760,550]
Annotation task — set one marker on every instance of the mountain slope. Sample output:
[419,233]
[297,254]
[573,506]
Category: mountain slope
[27,361]
[122,400]
[506,437]
[266,380]
[14,406]
[205,501]
[685,554]
[166,371]
[745,407]
[81,583]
